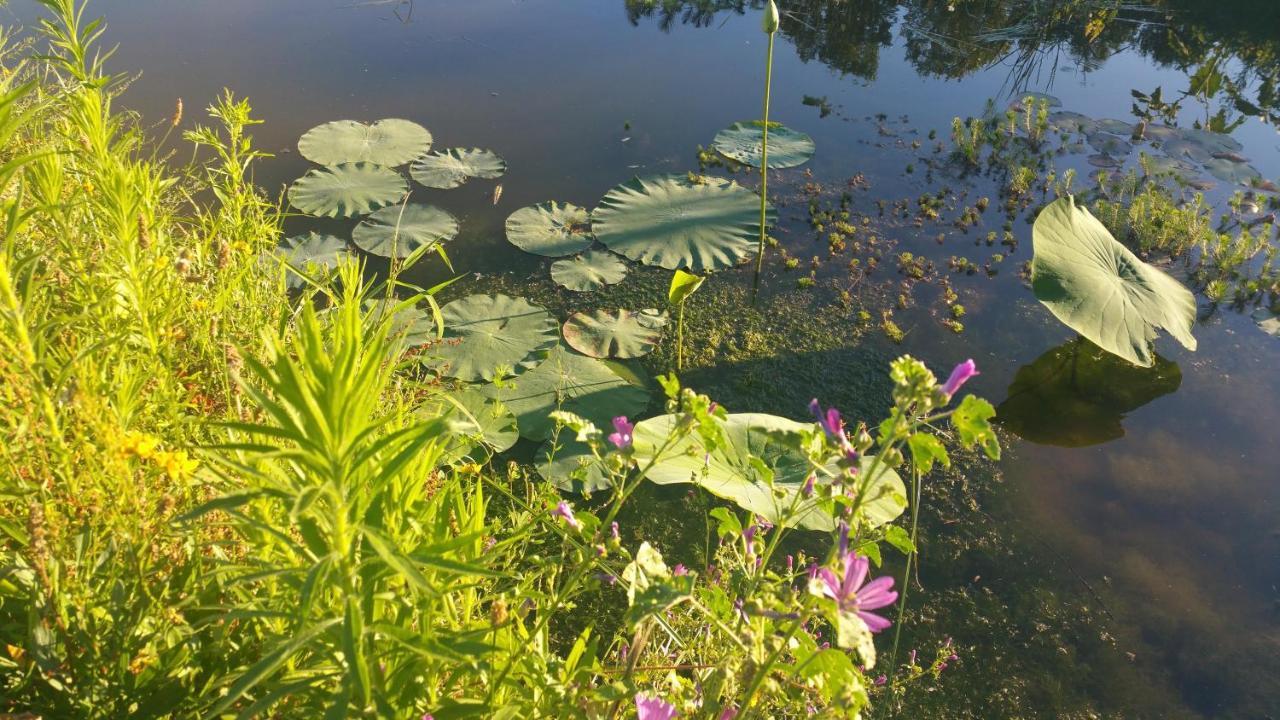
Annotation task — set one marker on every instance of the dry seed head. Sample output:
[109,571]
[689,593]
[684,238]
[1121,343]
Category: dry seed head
[144,234]
[177,114]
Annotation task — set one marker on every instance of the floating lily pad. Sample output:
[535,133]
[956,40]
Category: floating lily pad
[1115,127]
[571,382]
[1100,289]
[475,417]
[756,446]
[1109,144]
[570,466]
[1160,133]
[618,334]
[591,270]
[550,229]
[485,333]
[1161,165]
[1103,161]
[1230,171]
[674,223]
[347,190]
[1179,148]
[1072,122]
[450,168]
[1036,99]
[400,230]
[313,251]
[388,142]
[1211,142]
[1267,321]
[743,141]
[1078,394]
[413,325]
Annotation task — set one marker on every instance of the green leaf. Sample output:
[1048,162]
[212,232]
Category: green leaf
[400,230]
[727,523]
[972,420]
[402,565]
[347,190]
[270,662]
[683,284]
[390,142]
[617,334]
[591,270]
[311,252]
[925,450]
[1100,289]
[674,223]
[551,229]
[900,539]
[743,142]
[486,332]
[570,465]
[451,168]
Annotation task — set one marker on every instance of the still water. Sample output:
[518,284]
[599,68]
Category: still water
[1159,513]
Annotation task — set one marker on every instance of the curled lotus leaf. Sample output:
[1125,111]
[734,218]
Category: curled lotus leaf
[673,222]
[487,333]
[591,270]
[1100,289]
[347,190]
[400,230]
[550,229]
[744,142]
[451,168]
[391,142]
[618,333]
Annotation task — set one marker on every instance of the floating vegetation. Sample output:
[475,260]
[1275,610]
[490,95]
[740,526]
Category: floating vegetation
[673,222]
[489,334]
[591,270]
[398,231]
[446,169]
[476,418]
[744,142]
[388,142]
[347,190]
[614,333]
[570,465]
[551,229]
[1100,289]
[315,251]
[1268,322]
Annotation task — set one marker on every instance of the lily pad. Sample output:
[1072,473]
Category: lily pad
[1161,165]
[1078,394]
[1109,144]
[1268,322]
[347,190]
[757,446]
[1115,127]
[486,333]
[413,325]
[398,231]
[475,418]
[591,270]
[674,223]
[1072,122]
[743,141]
[390,142]
[450,168]
[1100,289]
[569,465]
[550,229]
[1230,171]
[1103,161]
[312,250]
[617,334]
[571,382]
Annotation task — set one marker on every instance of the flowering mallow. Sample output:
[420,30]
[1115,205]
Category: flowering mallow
[565,512]
[854,596]
[959,377]
[648,708]
[621,435]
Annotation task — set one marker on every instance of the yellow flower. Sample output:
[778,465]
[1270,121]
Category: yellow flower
[140,444]
[177,464]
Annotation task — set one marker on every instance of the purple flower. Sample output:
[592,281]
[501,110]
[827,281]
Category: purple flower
[807,490]
[853,595]
[565,512]
[881,680]
[621,435]
[648,708]
[679,570]
[729,713]
[830,421]
[613,530]
[959,376]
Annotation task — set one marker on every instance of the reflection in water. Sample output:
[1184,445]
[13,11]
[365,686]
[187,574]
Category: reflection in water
[1077,394]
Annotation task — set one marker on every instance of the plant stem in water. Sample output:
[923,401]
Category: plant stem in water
[764,166]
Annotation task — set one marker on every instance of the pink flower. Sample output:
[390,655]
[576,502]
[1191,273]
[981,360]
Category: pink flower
[565,512]
[621,435]
[959,376]
[852,594]
[648,708]
[729,713]
[830,421]
[679,570]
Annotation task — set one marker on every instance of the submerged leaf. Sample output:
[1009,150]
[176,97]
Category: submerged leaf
[591,270]
[486,333]
[390,142]
[450,168]
[347,190]
[618,334]
[1100,289]
[400,230]
[743,141]
[550,229]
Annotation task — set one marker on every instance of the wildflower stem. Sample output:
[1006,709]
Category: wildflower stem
[764,167]
[906,571]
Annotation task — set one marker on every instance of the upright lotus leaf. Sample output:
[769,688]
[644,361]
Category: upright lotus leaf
[591,270]
[683,284]
[573,383]
[570,465]
[474,417]
[1078,394]
[551,229]
[1100,289]
[312,250]
[618,334]
[744,142]
[400,230]
[450,168]
[347,190]
[390,142]
[756,445]
[485,333]
[673,222]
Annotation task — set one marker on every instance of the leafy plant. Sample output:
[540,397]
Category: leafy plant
[683,284]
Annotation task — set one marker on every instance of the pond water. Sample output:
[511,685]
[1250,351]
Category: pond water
[1159,509]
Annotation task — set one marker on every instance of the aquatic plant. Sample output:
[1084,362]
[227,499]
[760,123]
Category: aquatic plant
[398,231]
[683,284]
[550,229]
[591,270]
[769,23]
[614,334]
[391,142]
[487,335]
[446,169]
[347,190]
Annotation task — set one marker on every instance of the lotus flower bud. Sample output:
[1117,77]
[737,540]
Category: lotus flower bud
[770,22]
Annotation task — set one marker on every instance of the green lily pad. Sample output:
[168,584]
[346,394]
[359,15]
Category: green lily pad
[1101,160]
[1211,142]
[413,325]
[591,270]
[1109,144]
[1073,122]
[400,230]
[674,223]
[450,168]
[550,229]
[474,418]
[390,142]
[347,190]
[1161,165]
[1268,322]
[757,445]
[1115,127]
[573,383]
[617,334]
[1100,289]
[1180,148]
[313,251]
[1036,98]
[569,465]
[1230,171]
[743,141]
[485,333]
[1078,394]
